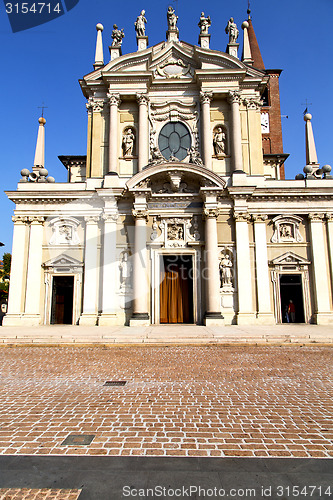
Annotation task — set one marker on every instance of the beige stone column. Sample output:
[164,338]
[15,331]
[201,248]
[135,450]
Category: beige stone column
[245,313]
[114,101]
[140,316]
[329,217]
[89,106]
[91,271]
[234,99]
[323,306]
[143,140]
[213,314]
[17,275]
[110,271]
[265,315]
[34,272]
[207,140]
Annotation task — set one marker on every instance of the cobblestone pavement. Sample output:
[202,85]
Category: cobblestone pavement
[178,401]
[41,494]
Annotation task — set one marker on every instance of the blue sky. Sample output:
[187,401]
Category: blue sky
[43,64]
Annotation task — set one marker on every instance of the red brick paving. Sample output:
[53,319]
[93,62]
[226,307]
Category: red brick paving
[178,401]
[41,494]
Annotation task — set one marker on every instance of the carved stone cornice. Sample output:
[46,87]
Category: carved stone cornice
[140,214]
[36,219]
[210,213]
[142,99]
[234,96]
[316,217]
[242,217]
[206,97]
[259,217]
[112,217]
[19,219]
[114,99]
[91,219]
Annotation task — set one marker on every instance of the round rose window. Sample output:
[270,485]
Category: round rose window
[174,140]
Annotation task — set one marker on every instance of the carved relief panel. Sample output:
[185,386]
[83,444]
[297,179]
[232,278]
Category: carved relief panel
[175,231]
[64,231]
[286,229]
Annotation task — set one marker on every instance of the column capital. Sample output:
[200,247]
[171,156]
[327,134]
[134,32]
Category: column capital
[19,219]
[234,97]
[316,217]
[91,219]
[114,99]
[329,217]
[206,96]
[210,212]
[34,219]
[259,217]
[140,214]
[110,217]
[242,217]
[142,99]
[252,103]
[95,105]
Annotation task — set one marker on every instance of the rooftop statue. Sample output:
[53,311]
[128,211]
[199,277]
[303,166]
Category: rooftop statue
[204,24]
[172,19]
[232,30]
[140,24]
[117,36]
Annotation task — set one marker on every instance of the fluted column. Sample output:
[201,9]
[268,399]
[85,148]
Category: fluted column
[264,314]
[110,271]
[140,314]
[245,313]
[205,98]
[234,99]
[213,314]
[17,274]
[90,287]
[34,273]
[143,142]
[114,100]
[323,306]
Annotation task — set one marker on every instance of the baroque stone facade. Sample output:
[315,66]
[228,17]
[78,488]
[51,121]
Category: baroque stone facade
[180,211]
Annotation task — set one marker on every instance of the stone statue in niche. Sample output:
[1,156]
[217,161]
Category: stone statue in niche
[117,35]
[232,31]
[140,24]
[128,142]
[125,267]
[219,141]
[175,232]
[226,270]
[172,18]
[204,24]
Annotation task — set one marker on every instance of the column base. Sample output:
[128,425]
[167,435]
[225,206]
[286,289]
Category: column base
[213,319]
[246,319]
[88,320]
[21,320]
[266,319]
[323,318]
[139,319]
[108,319]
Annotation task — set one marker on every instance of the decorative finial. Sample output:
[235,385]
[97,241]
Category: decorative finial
[42,107]
[39,160]
[248,9]
[99,58]
[311,153]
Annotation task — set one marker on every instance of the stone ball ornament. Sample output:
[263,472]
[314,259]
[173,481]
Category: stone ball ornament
[245,25]
[43,172]
[326,169]
[307,169]
[50,179]
[307,117]
[25,172]
[99,27]
[42,120]
[299,177]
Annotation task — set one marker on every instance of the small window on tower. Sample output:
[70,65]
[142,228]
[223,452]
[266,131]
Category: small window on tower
[265,97]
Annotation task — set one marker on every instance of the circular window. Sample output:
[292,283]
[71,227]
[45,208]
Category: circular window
[174,140]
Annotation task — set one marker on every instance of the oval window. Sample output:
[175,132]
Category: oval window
[174,140]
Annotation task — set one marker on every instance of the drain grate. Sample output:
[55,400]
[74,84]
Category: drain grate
[78,440]
[115,383]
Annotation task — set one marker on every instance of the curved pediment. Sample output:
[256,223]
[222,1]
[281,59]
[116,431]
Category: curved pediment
[175,174]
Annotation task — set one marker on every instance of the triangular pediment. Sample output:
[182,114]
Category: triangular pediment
[64,261]
[289,258]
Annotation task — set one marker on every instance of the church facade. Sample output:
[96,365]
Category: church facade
[180,211]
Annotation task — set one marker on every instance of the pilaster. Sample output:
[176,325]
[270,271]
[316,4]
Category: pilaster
[114,102]
[205,99]
[110,270]
[143,143]
[234,98]
[323,310]
[265,315]
[90,290]
[245,314]
[32,315]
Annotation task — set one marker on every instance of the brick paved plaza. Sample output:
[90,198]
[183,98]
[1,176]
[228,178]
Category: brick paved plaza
[251,401]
